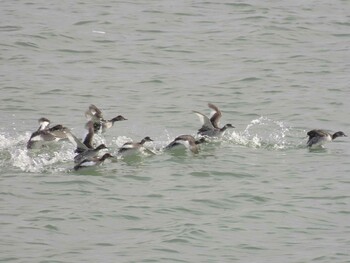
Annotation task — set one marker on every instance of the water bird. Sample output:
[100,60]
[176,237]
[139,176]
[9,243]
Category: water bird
[210,127]
[89,154]
[92,161]
[320,137]
[188,141]
[46,134]
[88,140]
[101,124]
[44,124]
[87,143]
[131,147]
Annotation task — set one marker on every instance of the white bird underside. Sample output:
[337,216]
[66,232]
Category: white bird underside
[88,164]
[131,149]
[44,125]
[129,146]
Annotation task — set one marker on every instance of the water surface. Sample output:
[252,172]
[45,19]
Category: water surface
[275,69]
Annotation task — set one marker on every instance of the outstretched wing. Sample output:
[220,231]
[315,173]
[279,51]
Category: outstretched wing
[80,147]
[94,113]
[172,145]
[215,119]
[206,123]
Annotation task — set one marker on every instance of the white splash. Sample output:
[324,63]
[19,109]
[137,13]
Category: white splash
[263,133]
[15,153]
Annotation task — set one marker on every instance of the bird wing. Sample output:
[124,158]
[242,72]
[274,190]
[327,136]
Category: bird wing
[41,135]
[313,140]
[215,118]
[86,155]
[319,133]
[206,123]
[94,113]
[172,144]
[80,147]
[89,136]
[44,124]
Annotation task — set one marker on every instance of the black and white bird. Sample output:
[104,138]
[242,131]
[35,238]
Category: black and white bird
[210,127]
[133,147]
[45,134]
[85,149]
[320,137]
[186,140]
[89,154]
[92,162]
[101,124]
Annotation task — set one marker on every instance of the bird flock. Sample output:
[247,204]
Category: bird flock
[88,154]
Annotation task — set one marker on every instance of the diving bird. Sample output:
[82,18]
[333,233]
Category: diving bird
[89,154]
[46,134]
[101,124]
[130,147]
[186,140]
[210,127]
[320,137]
[87,143]
[92,162]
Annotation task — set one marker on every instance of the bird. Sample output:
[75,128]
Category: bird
[88,140]
[320,137]
[106,124]
[93,113]
[92,162]
[46,134]
[44,124]
[130,147]
[86,144]
[188,141]
[210,127]
[101,124]
[89,153]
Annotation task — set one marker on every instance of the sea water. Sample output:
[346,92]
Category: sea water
[275,69]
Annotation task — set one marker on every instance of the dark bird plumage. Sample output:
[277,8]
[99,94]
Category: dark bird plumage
[320,137]
[100,124]
[132,146]
[188,141]
[89,153]
[92,162]
[46,134]
[210,127]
